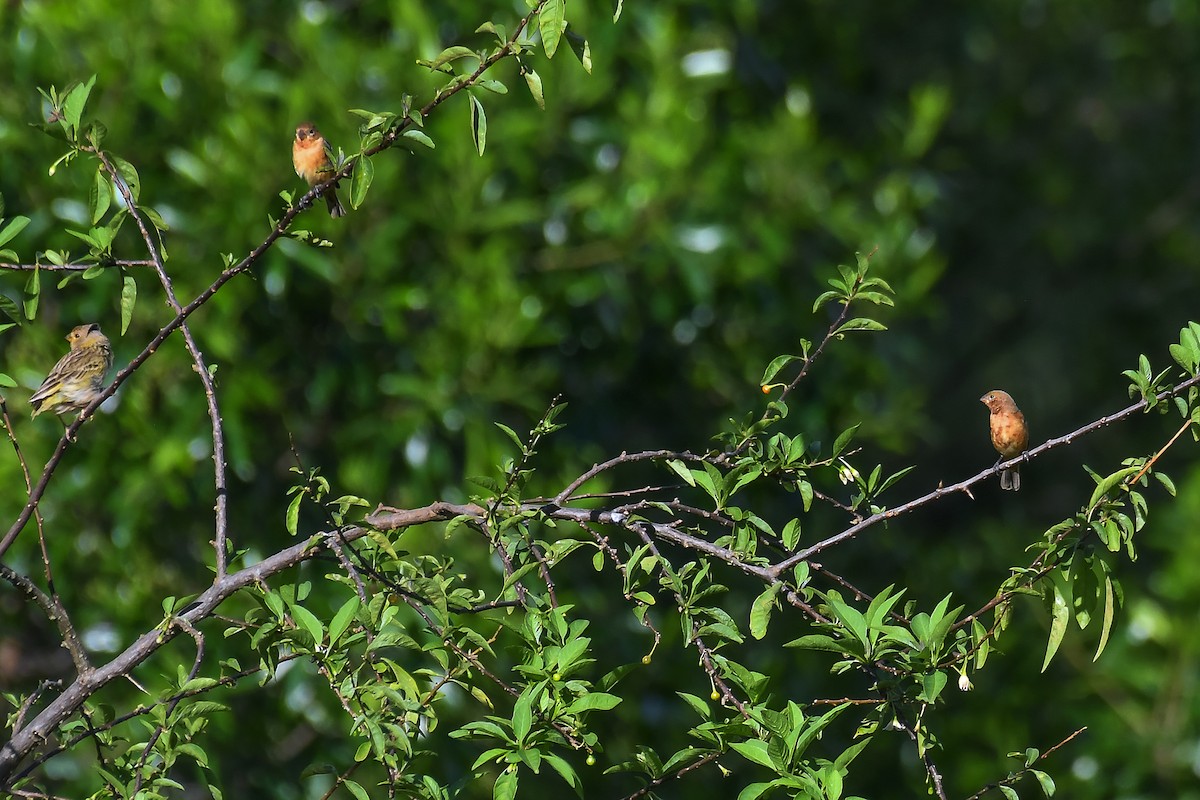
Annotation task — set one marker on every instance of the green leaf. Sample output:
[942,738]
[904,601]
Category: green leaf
[680,469]
[1109,482]
[100,195]
[1010,793]
[581,49]
[754,791]
[493,86]
[843,439]
[478,124]
[293,513]
[931,686]
[512,435]
[522,720]
[308,622]
[342,619]
[364,173]
[418,136]
[14,226]
[33,290]
[552,20]
[448,55]
[1045,781]
[355,789]
[1109,611]
[760,611]
[755,750]
[817,641]
[74,102]
[129,175]
[778,363]
[1060,615]
[505,787]
[535,87]
[594,701]
[861,324]
[128,301]
[565,771]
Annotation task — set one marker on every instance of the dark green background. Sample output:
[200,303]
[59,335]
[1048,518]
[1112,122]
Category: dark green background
[1025,173]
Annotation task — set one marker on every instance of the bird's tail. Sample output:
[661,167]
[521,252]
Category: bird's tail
[336,209]
[1010,479]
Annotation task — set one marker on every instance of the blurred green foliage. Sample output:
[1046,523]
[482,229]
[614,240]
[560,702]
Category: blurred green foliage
[1025,175]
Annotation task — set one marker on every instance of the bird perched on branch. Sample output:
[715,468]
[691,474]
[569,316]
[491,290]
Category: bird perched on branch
[1010,434]
[313,159]
[78,377]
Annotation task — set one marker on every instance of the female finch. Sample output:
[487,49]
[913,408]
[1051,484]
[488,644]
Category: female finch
[312,158]
[1010,435]
[78,377]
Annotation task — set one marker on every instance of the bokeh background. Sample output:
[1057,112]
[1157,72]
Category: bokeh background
[1025,174]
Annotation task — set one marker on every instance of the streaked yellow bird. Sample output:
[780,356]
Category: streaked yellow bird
[78,377]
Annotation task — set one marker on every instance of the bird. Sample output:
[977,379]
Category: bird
[312,158]
[78,377]
[1009,432]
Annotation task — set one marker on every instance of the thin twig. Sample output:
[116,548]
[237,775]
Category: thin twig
[220,478]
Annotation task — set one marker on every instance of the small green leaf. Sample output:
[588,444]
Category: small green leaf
[129,175]
[308,622]
[14,226]
[1109,611]
[1060,615]
[33,290]
[552,20]
[843,439]
[128,301]
[778,363]
[511,435]
[448,55]
[581,49]
[861,324]
[680,469]
[493,86]
[478,124]
[100,195]
[364,173]
[293,513]
[418,136]
[9,308]
[535,88]
[756,751]
[342,619]
[1103,487]
[594,701]
[505,787]
[760,611]
[522,720]
[74,102]
[1045,781]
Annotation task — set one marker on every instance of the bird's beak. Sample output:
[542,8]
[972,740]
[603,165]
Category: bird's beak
[983,399]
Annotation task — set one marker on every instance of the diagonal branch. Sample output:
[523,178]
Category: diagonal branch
[962,486]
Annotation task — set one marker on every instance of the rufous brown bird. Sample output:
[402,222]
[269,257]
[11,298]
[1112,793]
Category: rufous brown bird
[313,159]
[1010,434]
